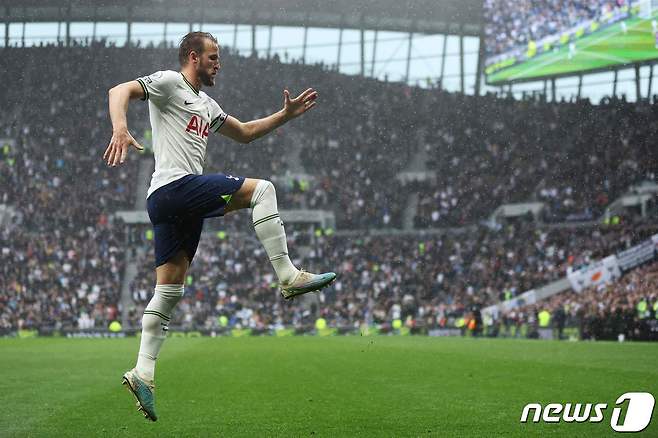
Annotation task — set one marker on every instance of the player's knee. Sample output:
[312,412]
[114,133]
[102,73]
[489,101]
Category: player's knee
[170,292]
[268,186]
[264,190]
[150,323]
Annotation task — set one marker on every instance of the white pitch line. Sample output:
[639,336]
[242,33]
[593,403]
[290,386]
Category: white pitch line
[548,61]
[605,56]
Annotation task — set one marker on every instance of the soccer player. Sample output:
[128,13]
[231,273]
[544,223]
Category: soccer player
[572,50]
[180,196]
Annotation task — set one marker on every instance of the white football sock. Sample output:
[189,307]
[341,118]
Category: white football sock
[155,324]
[270,231]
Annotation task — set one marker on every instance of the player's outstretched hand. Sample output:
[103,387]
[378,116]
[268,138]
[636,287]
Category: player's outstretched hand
[118,148]
[300,104]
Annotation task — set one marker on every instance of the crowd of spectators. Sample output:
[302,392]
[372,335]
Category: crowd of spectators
[61,279]
[63,254]
[624,310]
[344,156]
[512,24]
[575,157]
[483,151]
[381,278]
[55,133]
[64,244]
[352,145]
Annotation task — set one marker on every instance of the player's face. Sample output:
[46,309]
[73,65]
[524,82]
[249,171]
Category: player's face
[209,63]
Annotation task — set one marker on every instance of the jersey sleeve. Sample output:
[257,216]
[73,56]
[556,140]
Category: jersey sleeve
[217,116]
[159,86]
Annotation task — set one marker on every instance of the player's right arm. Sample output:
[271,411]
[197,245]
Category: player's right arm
[119,97]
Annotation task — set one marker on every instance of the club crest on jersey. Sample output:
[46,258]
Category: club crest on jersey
[197,126]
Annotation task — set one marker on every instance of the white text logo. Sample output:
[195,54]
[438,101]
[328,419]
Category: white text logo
[637,418]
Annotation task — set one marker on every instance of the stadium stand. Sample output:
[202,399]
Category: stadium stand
[384,277]
[61,280]
[625,310]
[573,156]
[64,252]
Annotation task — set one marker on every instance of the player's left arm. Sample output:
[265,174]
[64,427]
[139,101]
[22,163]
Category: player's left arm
[245,132]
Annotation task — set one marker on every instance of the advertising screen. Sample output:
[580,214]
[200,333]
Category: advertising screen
[534,39]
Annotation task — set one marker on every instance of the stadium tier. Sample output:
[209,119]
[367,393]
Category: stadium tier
[65,279]
[574,156]
[64,251]
[626,310]
[479,152]
[428,281]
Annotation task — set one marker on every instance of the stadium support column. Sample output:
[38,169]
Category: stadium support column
[580,86]
[614,84]
[68,26]
[411,42]
[129,32]
[164,35]
[553,94]
[235,36]
[363,52]
[305,45]
[443,59]
[340,48]
[638,93]
[650,83]
[253,40]
[23,36]
[478,72]
[129,28]
[269,42]
[461,61]
[374,54]
[5,21]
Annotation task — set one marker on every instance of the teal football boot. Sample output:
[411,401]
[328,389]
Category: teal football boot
[306,282]
[143,392]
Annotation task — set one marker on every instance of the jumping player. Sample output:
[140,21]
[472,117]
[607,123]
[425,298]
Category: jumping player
[180,197]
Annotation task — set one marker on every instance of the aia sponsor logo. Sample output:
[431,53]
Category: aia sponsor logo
[197,126]
[638,412]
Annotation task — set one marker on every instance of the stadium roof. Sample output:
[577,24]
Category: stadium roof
[425,16]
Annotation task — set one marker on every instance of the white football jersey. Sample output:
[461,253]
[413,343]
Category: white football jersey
[181,118]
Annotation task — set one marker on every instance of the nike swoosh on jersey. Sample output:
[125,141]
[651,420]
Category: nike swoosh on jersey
[188,103]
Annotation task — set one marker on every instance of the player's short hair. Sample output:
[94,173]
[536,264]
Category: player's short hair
[193,41]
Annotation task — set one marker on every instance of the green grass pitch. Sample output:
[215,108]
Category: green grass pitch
[608,47]
[316,386]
